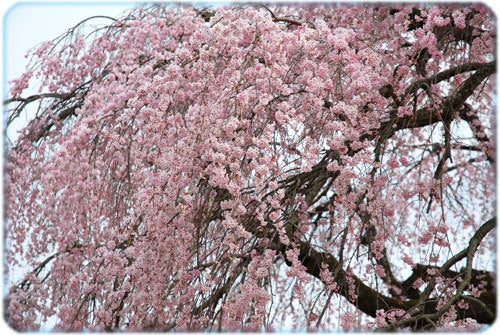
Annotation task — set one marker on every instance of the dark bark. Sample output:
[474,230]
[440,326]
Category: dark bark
[369,300]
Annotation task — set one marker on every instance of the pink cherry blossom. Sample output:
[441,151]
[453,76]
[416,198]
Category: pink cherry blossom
[256,168]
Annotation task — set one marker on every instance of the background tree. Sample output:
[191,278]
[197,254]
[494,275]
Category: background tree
[250,167]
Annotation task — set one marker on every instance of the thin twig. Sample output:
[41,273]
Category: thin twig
[281,19]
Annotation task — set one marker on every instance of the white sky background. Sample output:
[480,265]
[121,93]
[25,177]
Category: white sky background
[24,25]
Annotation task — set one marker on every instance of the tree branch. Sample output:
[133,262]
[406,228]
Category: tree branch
[472,119]
[369,300]
[431,310]
[281,19]
[444,75]
[466,89]
[452,106]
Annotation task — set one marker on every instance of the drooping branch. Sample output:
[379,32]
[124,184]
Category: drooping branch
[484,310]
[44,129]
[457,99]
[369,300]
[478,277]
[281,19]
[64,106]
[468,115]
[451,107]
[444,75]
[34,97]
[442,33]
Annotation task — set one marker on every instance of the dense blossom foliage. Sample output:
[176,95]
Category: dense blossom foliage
[256,168]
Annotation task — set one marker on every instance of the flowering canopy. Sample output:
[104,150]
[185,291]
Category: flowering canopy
[256,168]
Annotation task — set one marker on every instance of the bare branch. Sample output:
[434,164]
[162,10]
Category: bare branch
[281,19]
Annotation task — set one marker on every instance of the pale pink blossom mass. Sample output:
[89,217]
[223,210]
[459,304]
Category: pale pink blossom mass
[308,167]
